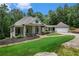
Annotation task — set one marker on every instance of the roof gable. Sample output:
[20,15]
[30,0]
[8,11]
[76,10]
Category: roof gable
[62,25]
[26,20]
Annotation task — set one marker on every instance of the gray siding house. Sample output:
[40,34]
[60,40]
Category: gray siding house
[27,25]
[32,26]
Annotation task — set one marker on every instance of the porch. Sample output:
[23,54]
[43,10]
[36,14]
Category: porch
[25,30]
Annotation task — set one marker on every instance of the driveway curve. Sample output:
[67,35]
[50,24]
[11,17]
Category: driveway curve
[73,43]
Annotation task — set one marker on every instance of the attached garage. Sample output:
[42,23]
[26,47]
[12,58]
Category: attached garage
[62,28]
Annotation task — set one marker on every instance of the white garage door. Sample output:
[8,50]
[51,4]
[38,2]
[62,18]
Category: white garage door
[61,30]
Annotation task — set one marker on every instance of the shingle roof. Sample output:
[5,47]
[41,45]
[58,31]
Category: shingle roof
[62,25]
[26,20]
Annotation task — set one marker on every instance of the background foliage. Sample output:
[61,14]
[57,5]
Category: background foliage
[68,15]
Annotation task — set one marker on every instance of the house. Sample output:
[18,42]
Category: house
[32,26]
[62,28]
[26,26]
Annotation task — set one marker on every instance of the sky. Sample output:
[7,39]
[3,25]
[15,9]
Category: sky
[45,7]
[37,7]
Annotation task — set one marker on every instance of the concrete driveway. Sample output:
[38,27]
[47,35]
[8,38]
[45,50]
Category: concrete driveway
[73,43]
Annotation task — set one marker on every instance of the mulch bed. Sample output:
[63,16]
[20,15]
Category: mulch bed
[15,40]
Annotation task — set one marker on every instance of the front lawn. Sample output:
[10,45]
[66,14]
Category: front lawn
[48,44]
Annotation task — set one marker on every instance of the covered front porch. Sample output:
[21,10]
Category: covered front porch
[25,30]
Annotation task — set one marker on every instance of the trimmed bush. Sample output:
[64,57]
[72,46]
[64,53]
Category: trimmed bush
[19,36]
[2,36]
[45,32]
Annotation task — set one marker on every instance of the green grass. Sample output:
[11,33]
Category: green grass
[66,51]
[52,34]
[48,44]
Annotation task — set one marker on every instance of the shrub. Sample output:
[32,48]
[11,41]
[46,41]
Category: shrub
[19,36]
[2,36]
[45,32]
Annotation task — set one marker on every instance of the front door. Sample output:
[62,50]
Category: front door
[36,30]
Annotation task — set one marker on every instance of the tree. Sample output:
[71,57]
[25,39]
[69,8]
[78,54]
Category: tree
[52,17]
[3,9]
[66,14]
[18,13]
[46,19]
[39,15]
[30,12]
[60,14]
[8,18]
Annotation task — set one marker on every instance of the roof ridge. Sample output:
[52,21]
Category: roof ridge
[62,25]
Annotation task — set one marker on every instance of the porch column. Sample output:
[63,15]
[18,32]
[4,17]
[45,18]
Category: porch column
[24,30]
[13,32]
[50,29]
[39,29]
[33,29]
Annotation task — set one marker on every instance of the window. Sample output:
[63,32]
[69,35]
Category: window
[37,21]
